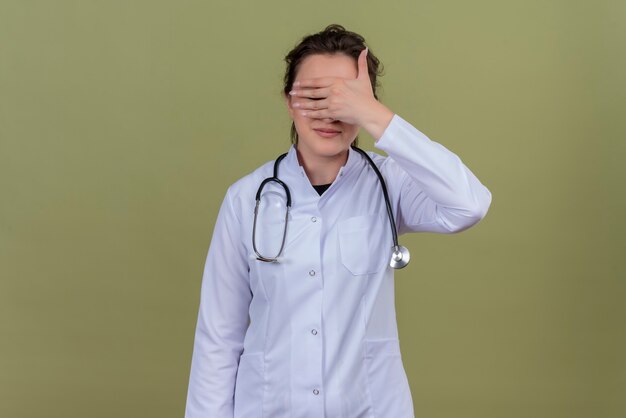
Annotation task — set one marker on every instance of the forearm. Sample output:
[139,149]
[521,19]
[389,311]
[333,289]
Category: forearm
[439,187]
[376,118]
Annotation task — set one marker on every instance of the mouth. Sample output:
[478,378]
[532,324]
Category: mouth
[327,133]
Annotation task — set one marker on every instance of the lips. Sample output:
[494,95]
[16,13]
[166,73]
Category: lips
[327,133]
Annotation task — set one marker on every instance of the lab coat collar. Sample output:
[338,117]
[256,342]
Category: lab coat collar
[293,165]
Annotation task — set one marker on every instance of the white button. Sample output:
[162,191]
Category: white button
[313,219]
[314,331]
[312,273]
[315,391]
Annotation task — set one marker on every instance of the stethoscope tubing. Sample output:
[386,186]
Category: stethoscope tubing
[385,194]
[400,257]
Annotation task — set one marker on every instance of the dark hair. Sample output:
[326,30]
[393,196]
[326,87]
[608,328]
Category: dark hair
[335,39]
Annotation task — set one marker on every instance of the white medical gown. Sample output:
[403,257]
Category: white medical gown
[315,334]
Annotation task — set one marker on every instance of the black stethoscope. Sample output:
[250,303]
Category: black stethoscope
[400,256]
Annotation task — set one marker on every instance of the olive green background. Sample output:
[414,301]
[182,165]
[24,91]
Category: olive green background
[122,123]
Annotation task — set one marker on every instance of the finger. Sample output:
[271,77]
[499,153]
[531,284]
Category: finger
[314,82]
[321,92]
[310,104]
[316,114]
[362,64]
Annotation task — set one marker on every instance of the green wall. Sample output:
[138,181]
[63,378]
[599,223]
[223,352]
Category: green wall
[122,123]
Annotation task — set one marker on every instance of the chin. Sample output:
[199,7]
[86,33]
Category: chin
[327,148]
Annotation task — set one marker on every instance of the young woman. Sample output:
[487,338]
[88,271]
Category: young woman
[297,315]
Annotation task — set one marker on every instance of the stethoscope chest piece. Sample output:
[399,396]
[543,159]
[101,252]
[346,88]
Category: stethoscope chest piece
[400,257]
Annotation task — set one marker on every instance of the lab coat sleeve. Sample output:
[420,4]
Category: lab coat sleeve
[434,191]
[222,320]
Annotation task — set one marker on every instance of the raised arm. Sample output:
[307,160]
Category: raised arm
[436,191]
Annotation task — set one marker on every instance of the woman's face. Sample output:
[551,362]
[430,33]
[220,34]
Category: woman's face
[311,141]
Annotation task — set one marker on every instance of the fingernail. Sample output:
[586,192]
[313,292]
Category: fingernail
[292,92]
[296,83]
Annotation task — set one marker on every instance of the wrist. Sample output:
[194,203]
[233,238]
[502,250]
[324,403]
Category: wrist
[377,119]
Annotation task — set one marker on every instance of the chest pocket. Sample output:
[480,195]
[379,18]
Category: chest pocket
[365,243]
